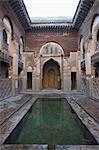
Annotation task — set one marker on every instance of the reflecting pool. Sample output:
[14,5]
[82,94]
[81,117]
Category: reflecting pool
[52,121]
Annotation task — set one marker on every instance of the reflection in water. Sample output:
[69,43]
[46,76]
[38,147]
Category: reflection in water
[51,122]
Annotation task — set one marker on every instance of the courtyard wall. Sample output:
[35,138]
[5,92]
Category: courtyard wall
[68,41]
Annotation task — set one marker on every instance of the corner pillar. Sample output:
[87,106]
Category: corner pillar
[1,33]
[15,68]
[88,64]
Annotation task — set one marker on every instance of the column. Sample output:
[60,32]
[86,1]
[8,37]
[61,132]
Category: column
[1,33]
[92,71]
[92,76]
[41,72]
[24,78]
[88,64]
[15,68]
[88,67]
[61,73]
[79,73]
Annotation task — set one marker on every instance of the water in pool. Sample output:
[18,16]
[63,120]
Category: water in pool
[51,122]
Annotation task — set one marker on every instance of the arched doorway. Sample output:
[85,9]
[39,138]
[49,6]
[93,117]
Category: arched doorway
[51,75]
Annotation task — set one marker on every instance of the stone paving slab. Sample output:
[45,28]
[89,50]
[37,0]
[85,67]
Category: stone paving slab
[91,106]
[52,92]
[24,147]
[9,125]
[91,124]
[45,147]
[10,105]
[77,147]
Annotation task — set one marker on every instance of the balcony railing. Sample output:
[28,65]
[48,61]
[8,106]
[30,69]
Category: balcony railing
[83,65]
[83,55]
[4,57]
[20,64]
[95,58]
[20,56]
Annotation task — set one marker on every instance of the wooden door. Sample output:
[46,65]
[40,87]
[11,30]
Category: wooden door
[51,78]
[73,80]
[29,80]
[51,75]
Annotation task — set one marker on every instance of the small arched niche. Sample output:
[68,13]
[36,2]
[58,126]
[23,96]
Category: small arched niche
[29,77]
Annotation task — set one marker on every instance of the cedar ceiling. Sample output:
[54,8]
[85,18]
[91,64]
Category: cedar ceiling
[82,10]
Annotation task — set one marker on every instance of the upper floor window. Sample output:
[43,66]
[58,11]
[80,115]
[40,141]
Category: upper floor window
[95,24]
[82,48]
[96,73]
[46,50]
[51,50]
[95,32]
[8,28]
[21,43]
[4,36]
[83,52]
[55,50]
[98,35]
[5,42]
[19,52]
[21,46]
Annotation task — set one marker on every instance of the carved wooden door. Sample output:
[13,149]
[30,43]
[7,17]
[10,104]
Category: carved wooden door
[51,78]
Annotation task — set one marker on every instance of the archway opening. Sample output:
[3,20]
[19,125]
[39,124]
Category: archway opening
[51,75]
[29,80]
[73,81]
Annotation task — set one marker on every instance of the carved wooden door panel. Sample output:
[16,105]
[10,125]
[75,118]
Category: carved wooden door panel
[51,75]
[51,78]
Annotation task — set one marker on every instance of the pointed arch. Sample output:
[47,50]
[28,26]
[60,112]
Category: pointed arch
[8,23]
[95,16]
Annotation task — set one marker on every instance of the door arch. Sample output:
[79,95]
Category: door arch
[51,75]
